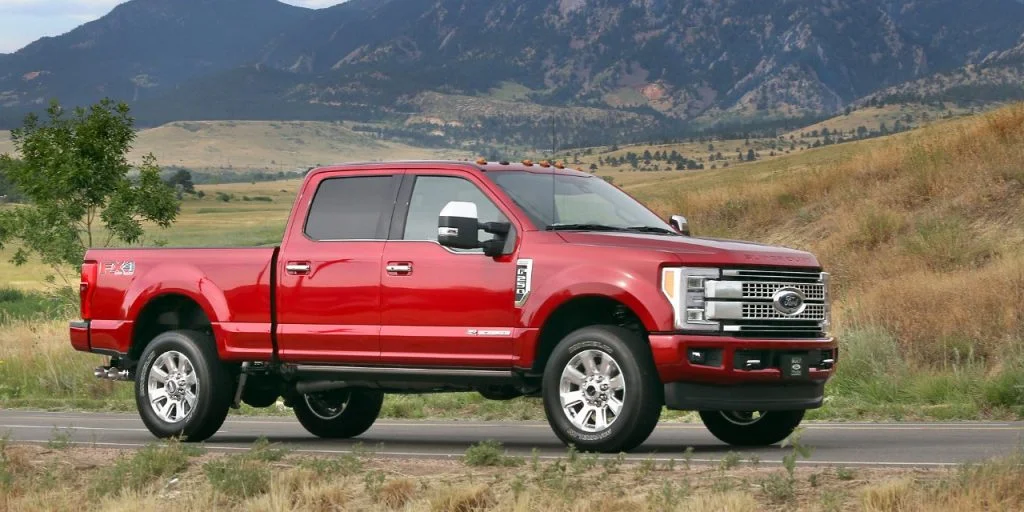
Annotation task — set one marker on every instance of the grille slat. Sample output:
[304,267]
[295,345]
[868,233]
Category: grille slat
[766,290]
[765,310]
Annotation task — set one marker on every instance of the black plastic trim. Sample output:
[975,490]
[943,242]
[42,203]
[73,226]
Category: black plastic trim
[690,396]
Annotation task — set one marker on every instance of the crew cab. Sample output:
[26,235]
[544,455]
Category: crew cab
[507,279]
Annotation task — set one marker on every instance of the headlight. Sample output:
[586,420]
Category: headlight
[684,288]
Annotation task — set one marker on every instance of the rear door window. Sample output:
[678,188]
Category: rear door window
[352,208]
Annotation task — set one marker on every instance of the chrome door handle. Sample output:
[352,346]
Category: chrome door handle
[399,268]
[297,268]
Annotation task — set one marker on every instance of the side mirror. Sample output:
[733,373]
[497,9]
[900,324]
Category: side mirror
[458,227]
[680,224]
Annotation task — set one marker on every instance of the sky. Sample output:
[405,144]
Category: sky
[24,21]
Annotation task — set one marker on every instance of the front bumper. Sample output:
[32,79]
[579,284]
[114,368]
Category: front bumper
[689,396]
[723,380]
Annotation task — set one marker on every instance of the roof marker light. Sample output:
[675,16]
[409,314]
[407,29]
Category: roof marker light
[545,163]
[560,164]
[481,161]
[527,162]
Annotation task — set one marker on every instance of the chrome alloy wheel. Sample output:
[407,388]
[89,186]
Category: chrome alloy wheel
[592,390]
[742,418]
[327,405]
[173,388]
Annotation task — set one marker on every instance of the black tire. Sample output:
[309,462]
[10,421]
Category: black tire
[736,429]
[641,399]
[213,388]
[357,409]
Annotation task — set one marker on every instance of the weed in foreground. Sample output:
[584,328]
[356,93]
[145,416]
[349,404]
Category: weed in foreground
[264,451]
[238,476]
[59,439]
[143,468]
[489,453]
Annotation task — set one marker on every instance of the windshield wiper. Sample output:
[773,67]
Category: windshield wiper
[651,229]
[583,227]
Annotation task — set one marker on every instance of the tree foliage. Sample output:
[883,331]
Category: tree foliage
[82,191]
[184,178]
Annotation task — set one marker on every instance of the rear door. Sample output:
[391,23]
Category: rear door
[441,306]
[329,268]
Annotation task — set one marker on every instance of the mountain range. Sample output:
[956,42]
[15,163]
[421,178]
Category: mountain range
[512,71]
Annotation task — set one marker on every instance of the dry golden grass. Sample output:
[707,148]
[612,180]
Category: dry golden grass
[28,473]
[871,117]
[922,231]
[264,145]
[270,145]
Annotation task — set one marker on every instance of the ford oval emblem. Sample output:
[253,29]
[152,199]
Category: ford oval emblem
[789,301]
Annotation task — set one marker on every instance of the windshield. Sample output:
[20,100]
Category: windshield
[566,201]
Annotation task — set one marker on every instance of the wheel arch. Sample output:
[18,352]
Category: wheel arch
[167,312]
[581,311]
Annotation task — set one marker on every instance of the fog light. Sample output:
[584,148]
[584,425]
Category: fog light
[697,357]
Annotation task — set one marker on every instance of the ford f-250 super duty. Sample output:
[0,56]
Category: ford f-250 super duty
[506,279]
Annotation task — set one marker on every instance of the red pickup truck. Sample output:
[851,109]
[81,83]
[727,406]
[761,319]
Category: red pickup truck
[506,279]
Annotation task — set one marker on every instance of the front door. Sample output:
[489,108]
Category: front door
[328,296]
[441,306]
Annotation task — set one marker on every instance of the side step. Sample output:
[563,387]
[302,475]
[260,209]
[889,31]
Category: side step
[403,374]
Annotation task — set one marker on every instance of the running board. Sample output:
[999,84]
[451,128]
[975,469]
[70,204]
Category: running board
[403,374]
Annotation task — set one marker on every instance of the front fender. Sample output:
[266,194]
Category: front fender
[638,293]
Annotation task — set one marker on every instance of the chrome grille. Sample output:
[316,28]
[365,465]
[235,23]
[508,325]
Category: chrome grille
[767,290]
[765,310]
[742,300]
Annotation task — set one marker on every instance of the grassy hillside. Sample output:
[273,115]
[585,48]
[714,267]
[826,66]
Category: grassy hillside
[264,145]
[871,118]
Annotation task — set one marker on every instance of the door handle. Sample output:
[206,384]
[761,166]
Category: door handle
[399,268]
[297,268]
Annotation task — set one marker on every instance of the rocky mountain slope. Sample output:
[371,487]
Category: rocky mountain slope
[651,66]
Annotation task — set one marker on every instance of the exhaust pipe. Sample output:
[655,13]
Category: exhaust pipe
[112,373]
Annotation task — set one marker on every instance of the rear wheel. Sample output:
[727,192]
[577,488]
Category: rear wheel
[601,391]
[181,388]
[751,428]
[338,414]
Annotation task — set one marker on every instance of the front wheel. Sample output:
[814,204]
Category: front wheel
[181,388]
[601,389]
[338,414]
[751,428]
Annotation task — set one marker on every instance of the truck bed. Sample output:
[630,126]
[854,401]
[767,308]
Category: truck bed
[232,285]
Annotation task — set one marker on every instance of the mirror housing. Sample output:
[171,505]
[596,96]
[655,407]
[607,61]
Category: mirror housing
[680,224]
[458,227]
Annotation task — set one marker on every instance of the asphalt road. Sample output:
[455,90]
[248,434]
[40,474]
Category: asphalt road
[839,444]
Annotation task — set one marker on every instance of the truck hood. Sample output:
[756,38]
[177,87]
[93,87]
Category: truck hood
[692,250]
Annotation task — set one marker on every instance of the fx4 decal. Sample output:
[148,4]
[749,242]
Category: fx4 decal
[119,268]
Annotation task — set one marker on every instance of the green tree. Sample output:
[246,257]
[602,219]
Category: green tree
[82,191]
[184,178]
